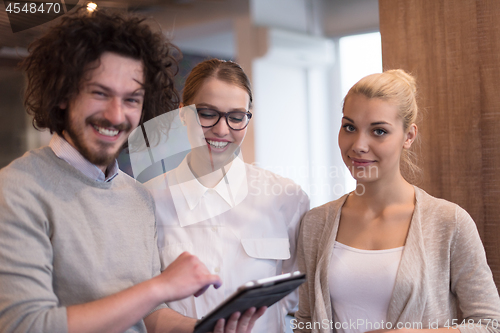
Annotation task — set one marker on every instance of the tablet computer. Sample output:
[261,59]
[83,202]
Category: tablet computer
[258,293]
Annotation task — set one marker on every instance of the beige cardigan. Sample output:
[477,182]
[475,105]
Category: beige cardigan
[443,263]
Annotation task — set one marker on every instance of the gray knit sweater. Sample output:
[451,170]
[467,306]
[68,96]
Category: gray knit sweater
[66,239]
[443,264]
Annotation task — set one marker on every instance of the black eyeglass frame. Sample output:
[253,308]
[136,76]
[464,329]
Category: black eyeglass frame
[225,115]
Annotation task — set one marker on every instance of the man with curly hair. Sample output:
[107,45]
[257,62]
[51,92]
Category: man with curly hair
[77,236]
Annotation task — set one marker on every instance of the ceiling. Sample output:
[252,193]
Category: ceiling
[171,12]
[189,22]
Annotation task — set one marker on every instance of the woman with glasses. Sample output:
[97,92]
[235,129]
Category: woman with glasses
[388,255]
[240,220]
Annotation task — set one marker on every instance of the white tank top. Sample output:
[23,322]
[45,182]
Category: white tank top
[361,284]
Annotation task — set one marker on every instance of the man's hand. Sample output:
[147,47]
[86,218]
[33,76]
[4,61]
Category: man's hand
[238,323]
[184,277]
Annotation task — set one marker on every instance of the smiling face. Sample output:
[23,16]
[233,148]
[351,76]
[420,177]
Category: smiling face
[220,140]
[107,108]
[372,138]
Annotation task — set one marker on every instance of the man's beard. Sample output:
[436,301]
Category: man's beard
[98,156]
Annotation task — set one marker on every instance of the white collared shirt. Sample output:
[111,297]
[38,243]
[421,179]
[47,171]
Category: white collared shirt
[68,153]
[195,203]
[243,229]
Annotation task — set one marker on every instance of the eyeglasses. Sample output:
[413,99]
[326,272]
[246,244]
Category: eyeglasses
[236,120]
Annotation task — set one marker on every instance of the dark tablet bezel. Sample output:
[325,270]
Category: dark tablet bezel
[286,283]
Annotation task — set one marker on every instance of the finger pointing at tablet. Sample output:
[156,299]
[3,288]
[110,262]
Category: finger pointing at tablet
[186,276]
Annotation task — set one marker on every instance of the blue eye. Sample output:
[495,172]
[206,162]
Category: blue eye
[380,132]
[349,128]
[98,93]
[133,100]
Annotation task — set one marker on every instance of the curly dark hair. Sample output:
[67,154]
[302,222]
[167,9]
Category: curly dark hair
[59,60]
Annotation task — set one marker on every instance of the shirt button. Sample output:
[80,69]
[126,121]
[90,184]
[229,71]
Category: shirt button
[214,229]
[217,270]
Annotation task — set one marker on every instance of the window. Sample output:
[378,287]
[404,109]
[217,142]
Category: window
[359,55]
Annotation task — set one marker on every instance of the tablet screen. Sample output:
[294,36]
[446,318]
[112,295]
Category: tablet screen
[259,293]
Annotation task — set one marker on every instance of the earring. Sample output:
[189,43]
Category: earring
[183,123]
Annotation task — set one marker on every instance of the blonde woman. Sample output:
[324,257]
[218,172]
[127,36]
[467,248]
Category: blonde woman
[389,255]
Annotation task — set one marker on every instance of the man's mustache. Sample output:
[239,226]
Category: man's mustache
[125,126]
